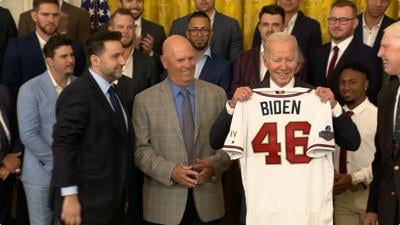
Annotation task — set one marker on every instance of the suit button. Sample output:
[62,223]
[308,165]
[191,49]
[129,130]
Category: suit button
[396,168]
[392,193]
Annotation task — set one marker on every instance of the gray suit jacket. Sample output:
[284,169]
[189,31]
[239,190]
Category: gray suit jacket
[227,40]
[160,146]
[36,106]
[78,23]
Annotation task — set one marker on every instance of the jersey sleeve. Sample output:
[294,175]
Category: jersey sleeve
[321,139]
[235,141]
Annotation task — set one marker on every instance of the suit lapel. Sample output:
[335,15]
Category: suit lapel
[167,100]
[200,105]
[38,55]
[47,86]
[208,65]
[102,100]
[216,25]
[388,111]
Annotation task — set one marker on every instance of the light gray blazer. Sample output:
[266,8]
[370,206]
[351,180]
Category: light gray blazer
[36,105]
[160,146]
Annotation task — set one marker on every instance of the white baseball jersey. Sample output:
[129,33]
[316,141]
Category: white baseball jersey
[285,143]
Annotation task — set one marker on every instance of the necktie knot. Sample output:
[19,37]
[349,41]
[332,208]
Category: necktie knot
[184,92]
[350,113]
[335,49]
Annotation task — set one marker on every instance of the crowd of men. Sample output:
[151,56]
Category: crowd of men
[129,126]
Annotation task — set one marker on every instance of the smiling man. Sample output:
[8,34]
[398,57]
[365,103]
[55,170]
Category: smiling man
[209,67]
[353,172]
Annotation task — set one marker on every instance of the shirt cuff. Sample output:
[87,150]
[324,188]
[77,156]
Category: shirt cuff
[151,53]
[337,110]
[71,190]
[229,110]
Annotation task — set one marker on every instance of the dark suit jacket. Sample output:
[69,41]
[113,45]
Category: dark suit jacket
[386,179]
[218,71]
[356,52]
[8,31]
[246,69]
[25,60]
[358,33]
[157,32]
[227,40]
[78,23]
[346,134]
[8,110]
[145,75]
[90,151]
[307,32]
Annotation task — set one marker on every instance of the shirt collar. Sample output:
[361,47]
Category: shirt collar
[377,26]
[138,22]
[42,42]
[207,52]
[103,83]
[291,23]
[176,89]
[343,44]
[54,81]
[358,109]
[273,85]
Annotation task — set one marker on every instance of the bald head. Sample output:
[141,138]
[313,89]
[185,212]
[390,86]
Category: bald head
[178,60]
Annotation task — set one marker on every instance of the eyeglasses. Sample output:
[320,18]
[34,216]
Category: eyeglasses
[341,20]
[196,31]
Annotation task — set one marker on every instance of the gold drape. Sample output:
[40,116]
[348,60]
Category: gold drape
[245,11]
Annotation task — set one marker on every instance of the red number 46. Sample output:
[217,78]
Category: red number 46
[273,147]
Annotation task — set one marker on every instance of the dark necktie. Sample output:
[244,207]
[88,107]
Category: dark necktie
[117,107]
[343,153]
[331,67]
[188,125]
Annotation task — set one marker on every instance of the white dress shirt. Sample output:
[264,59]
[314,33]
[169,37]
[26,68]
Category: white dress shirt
[359,162]
[290,26]
[369,35]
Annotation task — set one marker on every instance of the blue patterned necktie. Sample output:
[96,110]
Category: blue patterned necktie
[188,125]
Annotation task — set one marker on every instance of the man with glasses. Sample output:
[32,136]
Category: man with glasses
[209,67]
[227,41]
[327,61]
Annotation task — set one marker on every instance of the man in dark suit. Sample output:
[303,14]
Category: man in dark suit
[227,41]
[140,70]
[7,26]
[209,67]
[249,68]
[306,30]
[92,147]
[373,22]
[327,60]
[150,36]
[24,57]
[10,150]
[139,73]
[77,22]
[383,201]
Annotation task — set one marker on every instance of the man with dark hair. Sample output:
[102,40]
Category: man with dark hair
[249,68]
[24,56]
[227,41]
[92,141]
[353,172]
[306,30]
[329,58]
[140,70]
[77,22]
[150,36]
[209,67]
[36,115]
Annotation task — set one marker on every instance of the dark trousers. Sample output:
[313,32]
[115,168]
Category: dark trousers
[190,216]
[6,188]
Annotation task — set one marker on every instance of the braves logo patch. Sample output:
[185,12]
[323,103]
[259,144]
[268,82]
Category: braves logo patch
[326,134]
